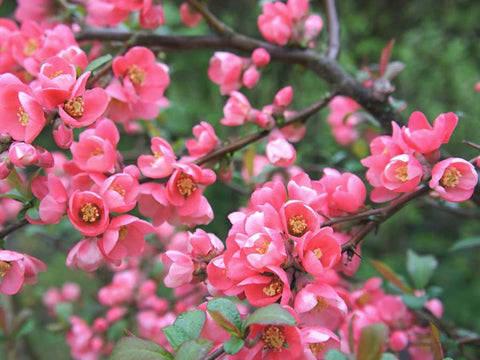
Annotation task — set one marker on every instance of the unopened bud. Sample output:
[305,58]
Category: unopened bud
[62,134]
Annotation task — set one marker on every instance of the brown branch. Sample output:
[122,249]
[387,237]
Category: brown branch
[333,29]
[215,354]
[327,69]
[301,116]
[218,26]
[11,228]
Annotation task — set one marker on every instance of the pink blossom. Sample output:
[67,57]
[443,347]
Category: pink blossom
[398,340]
[226,70]
[62,134]
[312,27]
[88,213]
[160,164]
[283,98]
[268,287]
[424,138]
[206,140]
[250,77]
[403,173]
[35,10]
[317,342]
[204,245]
[237,110]
[105,13]
[85,255]
[343,119]
[279,151]
[151,15]
[125,236]
[454,179]
[120,191]
[53,199]
[7,29]
[21,154]
[298,218]
[180,268]
[189,16]
[16,269]
[260,57]
[275,22]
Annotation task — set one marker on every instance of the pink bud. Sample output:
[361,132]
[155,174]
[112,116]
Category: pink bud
[225,171]
[71,291]
[5,165]
[435,306]
[313,26]
[45,158]
[279,151]
[62,134]
[22,154]
[283,98]
[477,87]
[115,313]
[189,16]
[398,340]
[260,57]
[265,120]
[148,288]
[100,325]
[250,77]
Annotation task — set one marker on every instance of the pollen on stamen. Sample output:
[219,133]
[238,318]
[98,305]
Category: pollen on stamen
[55,74]
[297,225]
[122,232]
[401,173]
[274,288]
[273,337]
[318,253]
[322,304]
[75,107]
[316,348]
[4,266]
[30,47]
[118,188]
[451,177]
[89,213]
[185,185]
[22,116]
[136,75]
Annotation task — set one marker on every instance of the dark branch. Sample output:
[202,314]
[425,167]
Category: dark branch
[333,29]
[11,228]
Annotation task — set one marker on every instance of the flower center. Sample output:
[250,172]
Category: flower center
[96,152]
[401,173]
[316,348]
[118,188]
[122,232]
[55,74]
[274,288]
[297,225]
[185,185]
[75,107]
[318,253]
[30,47]
[22,116]
[273,337]
[451,177]
[322,304]
[262,247]
[4,266]
[90,213]
[136,75]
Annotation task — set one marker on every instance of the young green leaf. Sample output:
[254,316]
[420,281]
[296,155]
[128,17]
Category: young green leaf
[225,314]
[466,244]
[414,302]
[273,314]
[98,62]
[233,345]
[134,348]
[335,355]
[191,322]
[372,339]
[176,336]
[420,268]
[194,349]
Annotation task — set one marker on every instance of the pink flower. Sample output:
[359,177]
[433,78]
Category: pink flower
[7,29]
[120,192]
[268,287]
[398,340]
[88,213]
[62,134]
[279,151]
[283,98]
[237,110]
[403,173]
[206,140]
[16,269]
[125,236]
[189,16]
[317,342]
[160,164]
[22,116]
[260,57]
[424,138]
[53,195]
[21,154]
[275,22]
[250,77]
[298,218]
[312,27]
[151,15]
[343,119]
[454,179]
[226,70]
[85,255]
[180,268]
[204,245]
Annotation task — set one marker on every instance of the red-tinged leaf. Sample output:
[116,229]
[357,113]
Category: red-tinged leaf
[390,275]
[226,315]
[371,342]
[248,160]
[436,346]
[385,58]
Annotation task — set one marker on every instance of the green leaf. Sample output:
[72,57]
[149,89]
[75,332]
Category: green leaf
[117,330]
[420,268]
[273,314]
[391,276]
[436,346]
[335,355]
[134,348]
[414,302]
[64,311]
[388,356]
[466,244]
[233,345]
[16,181]
[225,314]
[98,62]
[193,349]
[27,327]
[191,322]
[176,336]
[372,339]
[33,213]
[14,194]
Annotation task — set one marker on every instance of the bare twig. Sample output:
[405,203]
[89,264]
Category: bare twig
[333,29]
[11,228]
[215,354]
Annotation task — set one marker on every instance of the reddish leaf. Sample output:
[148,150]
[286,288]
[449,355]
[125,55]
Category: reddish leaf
[390,275]
[385,58]
[436,346]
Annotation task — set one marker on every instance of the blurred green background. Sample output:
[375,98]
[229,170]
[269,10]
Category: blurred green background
[437,40]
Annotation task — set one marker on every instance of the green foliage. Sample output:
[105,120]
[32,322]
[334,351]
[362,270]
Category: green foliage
[225,314]
[138,349]
[371,342]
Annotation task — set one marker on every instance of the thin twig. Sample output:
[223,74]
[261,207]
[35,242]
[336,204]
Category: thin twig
[215,354]
[11,228]
[333,29]
[216,24]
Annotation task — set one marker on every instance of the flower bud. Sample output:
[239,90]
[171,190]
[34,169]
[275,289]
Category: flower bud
[45,158]
[22,154]
[283,98]
[398,340]
[250,77]
[62,134]
[260,57]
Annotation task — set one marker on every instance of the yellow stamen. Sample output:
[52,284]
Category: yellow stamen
[136,75]
[118,188]
[274,288]
[322,304]
[273,338]
[185,185]
[30,47]
[4,266]
[75,107]
[89,213]
[316,348]
[55,74]
[451,177]
[297,225]
[122,232]
[401,173]
[318,253]
[22,116]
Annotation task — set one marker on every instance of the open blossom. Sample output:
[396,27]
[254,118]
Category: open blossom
[454,179]
[120,191]
[279,151]
[16,269]
[53,199]
[343,119]
[180,268]
[237,110]
[275,22]
[226,70]
[88,213]
[85,255]
[160,164]
[205,142]
[189,16]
